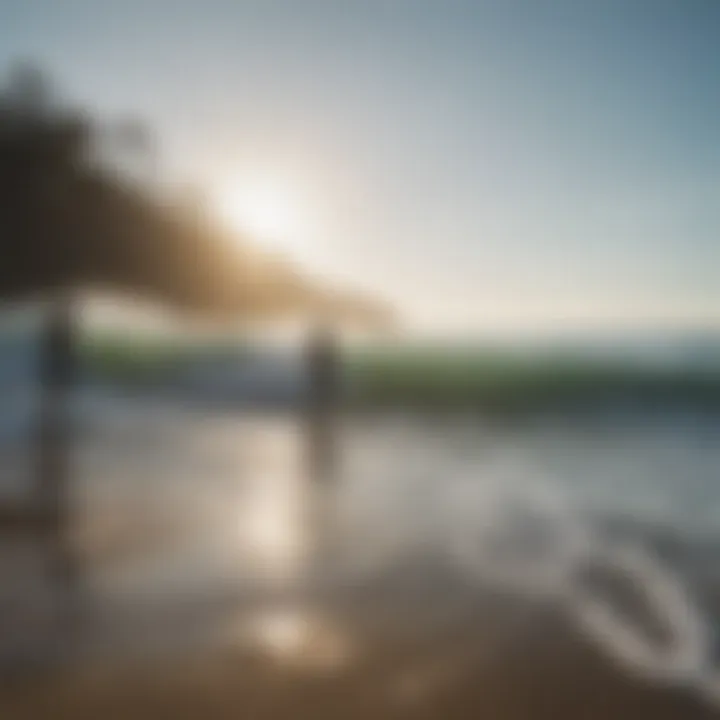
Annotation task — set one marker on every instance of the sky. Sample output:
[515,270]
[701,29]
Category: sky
[482,164]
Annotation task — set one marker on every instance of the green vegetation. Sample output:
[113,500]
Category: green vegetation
[119,357]
[440,379]
[507,381]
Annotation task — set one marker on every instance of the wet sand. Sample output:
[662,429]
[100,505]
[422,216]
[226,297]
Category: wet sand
[490,657]
[418,640]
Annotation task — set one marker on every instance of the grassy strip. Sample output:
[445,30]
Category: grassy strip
[519,382]
[144,359]
[439,379]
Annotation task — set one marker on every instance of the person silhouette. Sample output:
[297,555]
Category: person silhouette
[323,396]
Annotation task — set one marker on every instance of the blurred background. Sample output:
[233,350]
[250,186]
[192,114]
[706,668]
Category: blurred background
[359,358]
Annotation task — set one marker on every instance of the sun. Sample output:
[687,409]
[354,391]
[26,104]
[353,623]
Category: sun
[266,211]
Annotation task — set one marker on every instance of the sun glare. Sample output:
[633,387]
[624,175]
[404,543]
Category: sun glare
[267,212]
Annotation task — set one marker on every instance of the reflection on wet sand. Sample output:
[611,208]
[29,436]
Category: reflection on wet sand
[295,636]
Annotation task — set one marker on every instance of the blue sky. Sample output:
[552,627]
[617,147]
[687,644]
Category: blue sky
[483,163]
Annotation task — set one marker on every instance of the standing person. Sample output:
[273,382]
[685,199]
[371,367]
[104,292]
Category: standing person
[322,403]
[57,377]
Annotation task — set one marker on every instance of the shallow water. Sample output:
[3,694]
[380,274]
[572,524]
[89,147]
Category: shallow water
[181,513]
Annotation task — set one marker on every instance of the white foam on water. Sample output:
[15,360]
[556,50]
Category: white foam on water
[679,660]
[529,538]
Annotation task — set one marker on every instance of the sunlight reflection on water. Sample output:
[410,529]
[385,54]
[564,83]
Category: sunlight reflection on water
[270,526]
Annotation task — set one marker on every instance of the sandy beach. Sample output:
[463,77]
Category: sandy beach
[482,655]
